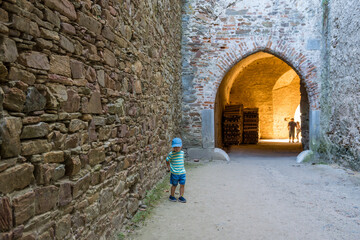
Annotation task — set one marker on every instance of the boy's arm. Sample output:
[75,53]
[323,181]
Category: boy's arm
[168,163]
[168,166]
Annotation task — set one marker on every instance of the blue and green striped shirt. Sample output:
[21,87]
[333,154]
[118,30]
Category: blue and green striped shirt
[176,160]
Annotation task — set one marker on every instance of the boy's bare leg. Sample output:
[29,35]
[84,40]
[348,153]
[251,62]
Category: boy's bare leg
[182,190]
[173,190]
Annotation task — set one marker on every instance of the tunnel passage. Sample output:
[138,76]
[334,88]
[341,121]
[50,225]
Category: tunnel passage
[264,81]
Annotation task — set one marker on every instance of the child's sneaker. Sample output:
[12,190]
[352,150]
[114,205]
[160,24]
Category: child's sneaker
[172,199]
[182,199]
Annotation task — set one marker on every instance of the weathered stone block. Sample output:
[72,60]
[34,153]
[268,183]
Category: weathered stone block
[90,23]
[133,205]
[52,17]
[59,172]
[24,25]
[16,178]
[24,207]
[108,33]
[92,212]
[8,50]
[14,100]
[45,198]
[35,60]
[73,165]
[117,107]
[73,102]
[10,129]
[62,6]
[104,133]
[77,69]
[123,131]
[101,77]
[81,186]
[4,16]
[90,74]
[109,58]
[68,28]
[94,105]
[35,101]
[44,173]
[76,125]
[59,91]
[47,34]
[66,44]
[35,131]
[72,141]
[63,227]
[96,156]
[44,44]
[60,65]
[137,67]
[21,75]
[6,217]
[137,87]
[99,121]
[65,196]
[54,157]
[3,72]
[18,232]
[35,147]
[119,188]
[5,164]
[106,200]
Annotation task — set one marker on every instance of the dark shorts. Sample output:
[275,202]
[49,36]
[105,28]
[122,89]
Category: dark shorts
[176,179]
[292,134]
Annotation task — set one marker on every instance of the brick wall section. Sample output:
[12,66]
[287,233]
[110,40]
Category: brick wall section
[89,98]
[340,101]
[218,34]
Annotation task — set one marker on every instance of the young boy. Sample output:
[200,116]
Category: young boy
[175,164]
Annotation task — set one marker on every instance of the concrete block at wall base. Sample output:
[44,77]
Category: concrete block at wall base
[305,156]
[207,154]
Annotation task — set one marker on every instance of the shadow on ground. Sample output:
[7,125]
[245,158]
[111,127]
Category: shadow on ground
[265,149]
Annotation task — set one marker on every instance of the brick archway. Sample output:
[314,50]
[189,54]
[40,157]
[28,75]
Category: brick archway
[304,69]
[207,74]
[299,62]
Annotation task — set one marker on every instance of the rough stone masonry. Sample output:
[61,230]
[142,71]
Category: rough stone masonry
[340,102]
[89,98]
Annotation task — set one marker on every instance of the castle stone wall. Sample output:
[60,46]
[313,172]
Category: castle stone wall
[340,102]
[89,98]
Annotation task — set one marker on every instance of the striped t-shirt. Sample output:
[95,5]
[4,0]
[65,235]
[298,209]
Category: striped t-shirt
[176,160]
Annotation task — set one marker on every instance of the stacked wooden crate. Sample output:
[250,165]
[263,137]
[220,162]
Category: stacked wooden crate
[232,125]
[251,126]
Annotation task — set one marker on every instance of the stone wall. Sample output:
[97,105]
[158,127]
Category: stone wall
[90,98]
[219,34]
[340,102]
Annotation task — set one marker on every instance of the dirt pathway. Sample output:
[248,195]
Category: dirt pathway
[261,194]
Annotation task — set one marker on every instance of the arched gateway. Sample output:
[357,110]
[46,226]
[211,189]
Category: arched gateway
[264,81]
[213,90]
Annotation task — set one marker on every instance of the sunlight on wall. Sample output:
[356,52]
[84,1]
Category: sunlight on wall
[261,81]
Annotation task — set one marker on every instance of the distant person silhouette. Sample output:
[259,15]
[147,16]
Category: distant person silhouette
[298,131]
[291,128]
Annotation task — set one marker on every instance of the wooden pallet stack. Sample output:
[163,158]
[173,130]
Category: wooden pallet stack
[232,125]
[251,126]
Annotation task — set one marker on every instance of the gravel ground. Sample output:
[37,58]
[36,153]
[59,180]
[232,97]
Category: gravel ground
[261,194]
